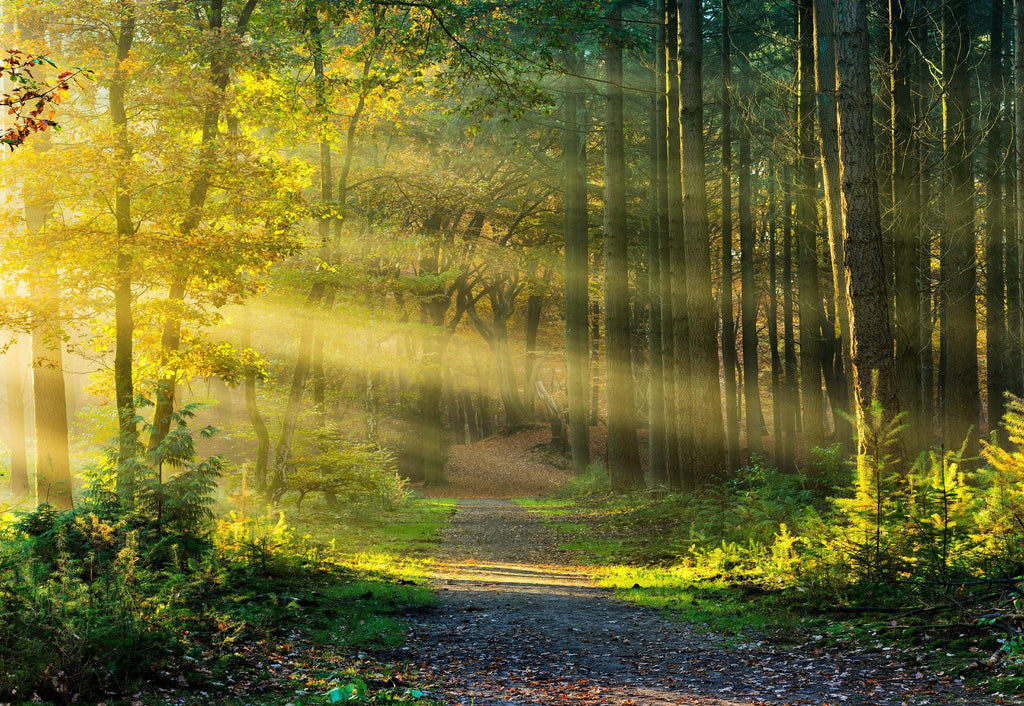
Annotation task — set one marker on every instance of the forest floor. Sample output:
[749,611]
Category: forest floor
[520,623]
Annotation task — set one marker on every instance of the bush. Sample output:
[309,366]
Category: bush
[351,473]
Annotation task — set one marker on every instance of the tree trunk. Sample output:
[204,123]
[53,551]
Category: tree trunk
[49,396]
[732,416]
[124,323]
[678,326]
[16,422]
[873,364]
[623,454]
[170,343]
[778,406]
[1014,371]
[53,463]
[752,396]
[995,312]
[961,394]
[708,452]
[828,142]
[656,352]
[574,159]
[806,238]
[791,394]
[906,225]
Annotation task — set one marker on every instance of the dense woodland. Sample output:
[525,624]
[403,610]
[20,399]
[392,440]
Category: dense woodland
[718,236]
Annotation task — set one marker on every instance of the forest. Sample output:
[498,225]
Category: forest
[476,351]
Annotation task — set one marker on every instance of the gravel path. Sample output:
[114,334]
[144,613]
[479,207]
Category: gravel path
[518,624]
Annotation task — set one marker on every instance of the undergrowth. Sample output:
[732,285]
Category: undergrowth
[160,598]
[931,552]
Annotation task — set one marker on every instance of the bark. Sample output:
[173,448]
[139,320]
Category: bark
[49,396]
[1014,372]
[708,452]
[53,463]
[778,406]
[960,390]
[623,454]
[873,362]
[828,143]
[732,420]
[124,322]
[574,158]
[656,353]
[315,32]
[16,422]
[791,395]
[806,238]
[995,312]
[906,225]
[752,398]
[677,328]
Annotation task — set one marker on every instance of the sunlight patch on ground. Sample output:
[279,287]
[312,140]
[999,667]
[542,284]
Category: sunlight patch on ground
[510,573]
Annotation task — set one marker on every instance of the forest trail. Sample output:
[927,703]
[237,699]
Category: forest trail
[520,624]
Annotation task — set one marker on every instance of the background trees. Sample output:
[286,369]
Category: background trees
[438,194]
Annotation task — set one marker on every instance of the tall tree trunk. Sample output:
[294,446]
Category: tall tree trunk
[124,322]
[752,396]
[574,158]
[53,463]
[623,454]
[323,117]
[868,296]
[49,396]
[961,394]
[995,312]
[16,422]
[925,278]
[806,237]
[778,406]
[791,393]
[678,326]
[828,143]
[732,416]
[595,361]
[665,248]
[656,373]
[708,452]
[1014,371]
[906,224]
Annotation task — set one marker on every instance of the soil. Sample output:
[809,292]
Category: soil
[520,624]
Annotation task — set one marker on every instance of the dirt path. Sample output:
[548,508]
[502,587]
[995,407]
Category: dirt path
[520,625]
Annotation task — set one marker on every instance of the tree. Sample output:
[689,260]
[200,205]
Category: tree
[961,399]
[623,454]
[873,364]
